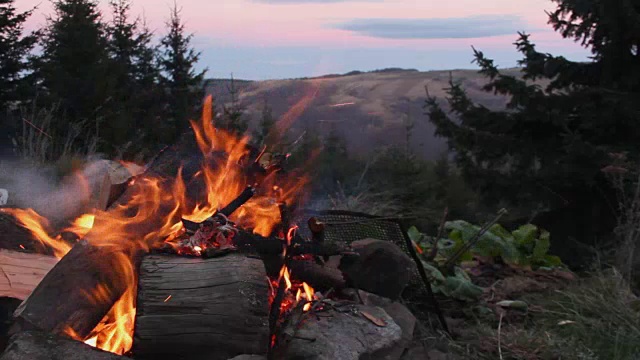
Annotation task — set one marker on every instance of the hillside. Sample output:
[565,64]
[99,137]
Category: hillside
[369,109]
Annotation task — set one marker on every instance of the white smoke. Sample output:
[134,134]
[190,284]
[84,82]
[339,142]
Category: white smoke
[58,199]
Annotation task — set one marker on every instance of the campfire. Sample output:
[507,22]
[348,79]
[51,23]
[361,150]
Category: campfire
[211,259]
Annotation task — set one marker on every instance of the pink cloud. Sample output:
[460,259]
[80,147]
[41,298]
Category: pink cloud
[249,23]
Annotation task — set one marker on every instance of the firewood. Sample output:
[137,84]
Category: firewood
[65,298]
[247,241]
[319,277]
[198,308]
[16,237]
[22,272]
[33,345]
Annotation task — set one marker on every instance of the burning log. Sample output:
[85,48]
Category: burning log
[34,345]
[248,192]
[81,288]
[14,236]
[201,308]
[266,246]
[22,272]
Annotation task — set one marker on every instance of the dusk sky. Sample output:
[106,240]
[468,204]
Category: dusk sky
[272,39]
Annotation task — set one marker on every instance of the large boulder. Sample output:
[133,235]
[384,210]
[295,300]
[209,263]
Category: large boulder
[381,268]
[367,332]
[400,315]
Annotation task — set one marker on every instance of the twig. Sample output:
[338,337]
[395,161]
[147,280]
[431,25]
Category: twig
[274,313]
[474,239]
[37,128]
[434,250]
[149,164]
[234,205]
[499,341]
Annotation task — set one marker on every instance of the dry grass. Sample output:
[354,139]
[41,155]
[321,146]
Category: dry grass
[36,144]
[360,200]
[595,318]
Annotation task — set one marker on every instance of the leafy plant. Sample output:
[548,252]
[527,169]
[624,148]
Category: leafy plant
[526,247]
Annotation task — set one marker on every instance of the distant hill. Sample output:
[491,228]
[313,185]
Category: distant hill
[368,108]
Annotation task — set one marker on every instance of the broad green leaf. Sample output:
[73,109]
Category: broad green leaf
[551,261]
[540,249]
[500,231]
[525,235]
[514,304]
[462,289]
[467,230]
[414,234]
[457,238]
[435,276]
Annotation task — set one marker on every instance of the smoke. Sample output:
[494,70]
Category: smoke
[57,198]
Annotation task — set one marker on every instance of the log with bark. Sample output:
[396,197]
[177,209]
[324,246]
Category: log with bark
[64,302]
[22,272]
[199,308]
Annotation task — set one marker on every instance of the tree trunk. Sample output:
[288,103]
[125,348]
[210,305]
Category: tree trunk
[201,308]
[66,298]
[22,272]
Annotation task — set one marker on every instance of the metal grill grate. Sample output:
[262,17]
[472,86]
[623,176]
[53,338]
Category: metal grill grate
[350,226]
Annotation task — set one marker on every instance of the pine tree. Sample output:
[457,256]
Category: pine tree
[232,114]
[122,45]
[550,144]
[183,86]
[74,66]
[14,49]
[148,91]
[265,132]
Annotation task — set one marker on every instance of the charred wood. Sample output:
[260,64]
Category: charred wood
[248,242]
[320,277]
[15,237]
[70,288]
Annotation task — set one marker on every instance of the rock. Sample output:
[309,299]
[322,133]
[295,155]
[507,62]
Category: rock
[32,345]
[400,315]
[420,352]
[344,336]
[249,357]
[382,268]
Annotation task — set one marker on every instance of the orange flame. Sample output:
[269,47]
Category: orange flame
[151,216]
[38,225]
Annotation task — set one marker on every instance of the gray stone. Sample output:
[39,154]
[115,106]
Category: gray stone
[33,345]
[249,357]
[382,268]
[400,315]
[346,336]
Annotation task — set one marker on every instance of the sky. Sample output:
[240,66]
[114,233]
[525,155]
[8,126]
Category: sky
[276,39]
